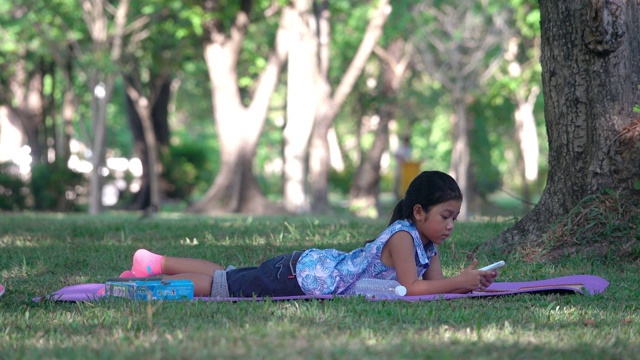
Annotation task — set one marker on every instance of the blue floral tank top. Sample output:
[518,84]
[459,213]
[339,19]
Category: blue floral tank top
[330,271]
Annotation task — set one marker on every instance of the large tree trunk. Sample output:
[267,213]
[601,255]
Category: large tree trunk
[301,78]
[235,188]
[329,106]
[365,191]
[590,83]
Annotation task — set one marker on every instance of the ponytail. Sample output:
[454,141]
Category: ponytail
[397,213]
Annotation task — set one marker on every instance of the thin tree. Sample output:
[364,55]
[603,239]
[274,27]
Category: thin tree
[521,81]
[329,101]
[365,190]
[460,48]
[107,41]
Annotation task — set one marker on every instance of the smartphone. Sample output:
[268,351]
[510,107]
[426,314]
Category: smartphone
[493,266]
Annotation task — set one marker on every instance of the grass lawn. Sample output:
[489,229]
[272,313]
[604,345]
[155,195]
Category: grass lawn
[40,253]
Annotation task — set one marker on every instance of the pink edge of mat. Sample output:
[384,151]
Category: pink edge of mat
[590,283]
[1,289]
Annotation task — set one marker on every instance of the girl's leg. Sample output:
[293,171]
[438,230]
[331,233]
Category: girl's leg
[146,263]
[179,265]
[201,282]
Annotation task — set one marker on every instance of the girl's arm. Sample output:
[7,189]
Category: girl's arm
[434,272]
[399,253]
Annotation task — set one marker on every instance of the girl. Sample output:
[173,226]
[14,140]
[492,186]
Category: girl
[405,251]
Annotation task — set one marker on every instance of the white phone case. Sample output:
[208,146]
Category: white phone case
[493,266]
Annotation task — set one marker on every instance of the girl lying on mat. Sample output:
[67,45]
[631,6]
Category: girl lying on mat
[405,251]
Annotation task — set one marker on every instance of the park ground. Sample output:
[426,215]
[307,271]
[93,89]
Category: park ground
[40,253]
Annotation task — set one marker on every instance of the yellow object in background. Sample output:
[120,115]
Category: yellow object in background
[408,171]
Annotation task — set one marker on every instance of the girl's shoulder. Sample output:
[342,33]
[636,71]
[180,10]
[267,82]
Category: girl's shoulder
[399,225]
[424,251]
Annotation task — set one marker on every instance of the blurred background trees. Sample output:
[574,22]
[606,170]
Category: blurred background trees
[259,106]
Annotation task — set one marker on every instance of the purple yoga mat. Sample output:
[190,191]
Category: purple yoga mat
[575,284]
[1,289]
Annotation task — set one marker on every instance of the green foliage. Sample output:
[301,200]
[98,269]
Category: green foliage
[340,181]
[172,43]
[192,119]
[486,174]
[401,21]
[185,169]
[55,187]
[431,141]
[488,143]
[12,188]
[527,17]
[348,22]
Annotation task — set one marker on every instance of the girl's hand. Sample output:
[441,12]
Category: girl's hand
[488,279]
[472,279]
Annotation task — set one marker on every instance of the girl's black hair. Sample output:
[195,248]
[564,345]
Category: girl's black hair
[428,189]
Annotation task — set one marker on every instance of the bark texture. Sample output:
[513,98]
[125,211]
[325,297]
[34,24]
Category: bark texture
[329,105]
[590,83]
[364,194]
[238,127]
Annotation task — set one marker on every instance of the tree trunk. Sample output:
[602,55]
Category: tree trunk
[101,96]
[460,154]
[364,194]
[527,137]
[142,197]
[101,84]
[28,88]
[461,48]
[153,135]
[142,107]
[301,78]
[12,136]
[69,107]
[235,188]
[329,107]
[590,83]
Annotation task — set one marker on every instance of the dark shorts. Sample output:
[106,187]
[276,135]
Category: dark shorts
[274,277]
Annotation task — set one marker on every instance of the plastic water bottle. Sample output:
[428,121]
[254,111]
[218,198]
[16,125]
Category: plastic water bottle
[378,289]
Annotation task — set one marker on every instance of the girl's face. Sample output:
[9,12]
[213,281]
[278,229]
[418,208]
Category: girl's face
[437,224]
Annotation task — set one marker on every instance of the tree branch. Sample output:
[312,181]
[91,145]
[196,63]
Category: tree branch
[372,34]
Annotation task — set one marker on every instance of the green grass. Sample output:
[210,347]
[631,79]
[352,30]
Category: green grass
[40,253]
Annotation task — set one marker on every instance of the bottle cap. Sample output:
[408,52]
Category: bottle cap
[401,290]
